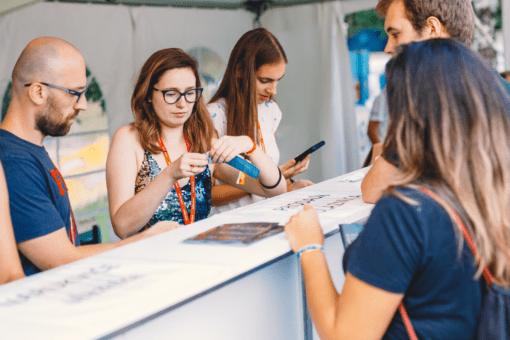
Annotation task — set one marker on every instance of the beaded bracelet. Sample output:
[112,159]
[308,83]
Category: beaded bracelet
[254,147]
[309,248]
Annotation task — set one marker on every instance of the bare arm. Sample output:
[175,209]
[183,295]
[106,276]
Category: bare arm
[10,265]
[222,194]
[130,212]
[372,132]
[377,180]
[55,249]
[225,148]
[361,311]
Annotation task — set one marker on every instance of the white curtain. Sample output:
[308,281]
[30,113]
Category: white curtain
[506,31]
[103,34]
[317,93]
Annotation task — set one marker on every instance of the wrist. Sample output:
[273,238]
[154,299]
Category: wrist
[290,184]
[254,147]
[309,248]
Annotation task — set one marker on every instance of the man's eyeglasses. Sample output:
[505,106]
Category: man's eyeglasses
[74,93]
[173,96]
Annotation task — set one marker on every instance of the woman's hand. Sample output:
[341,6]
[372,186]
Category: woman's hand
[189,164]
[291,169]
[227,147]
[304,228]
[300,183]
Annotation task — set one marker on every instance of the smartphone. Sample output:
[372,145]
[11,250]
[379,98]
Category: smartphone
[309,151]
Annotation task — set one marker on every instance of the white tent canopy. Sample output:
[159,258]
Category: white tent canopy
[316,96]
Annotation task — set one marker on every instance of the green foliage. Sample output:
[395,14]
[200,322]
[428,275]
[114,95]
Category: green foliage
[365,19]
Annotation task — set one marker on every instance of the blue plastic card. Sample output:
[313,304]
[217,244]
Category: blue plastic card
[241,165]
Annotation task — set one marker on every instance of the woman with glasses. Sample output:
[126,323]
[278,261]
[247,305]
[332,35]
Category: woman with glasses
[157,168]
[244,105]
[449,123]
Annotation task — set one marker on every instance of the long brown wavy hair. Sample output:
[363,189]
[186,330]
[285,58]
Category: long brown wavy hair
[255,48]
[198,128]
[449,125]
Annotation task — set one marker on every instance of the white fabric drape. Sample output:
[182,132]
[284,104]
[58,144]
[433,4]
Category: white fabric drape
[506,31]
[103,34]
[316,95]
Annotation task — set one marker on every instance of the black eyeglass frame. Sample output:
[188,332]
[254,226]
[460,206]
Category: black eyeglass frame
[73,92]
[199,89]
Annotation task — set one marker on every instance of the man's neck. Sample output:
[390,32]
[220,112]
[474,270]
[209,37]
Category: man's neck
[24,129]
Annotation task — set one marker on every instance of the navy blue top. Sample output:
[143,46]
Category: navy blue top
[413,250]
[39,202]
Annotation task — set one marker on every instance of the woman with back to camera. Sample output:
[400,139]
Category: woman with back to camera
[244,105]
[449,123]
[157,168]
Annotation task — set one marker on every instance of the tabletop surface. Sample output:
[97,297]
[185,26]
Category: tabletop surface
[163,271]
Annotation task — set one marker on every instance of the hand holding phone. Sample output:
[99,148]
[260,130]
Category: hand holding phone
[302,156]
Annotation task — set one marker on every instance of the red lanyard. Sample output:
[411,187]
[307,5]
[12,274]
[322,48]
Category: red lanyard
[191,218]
[261,138]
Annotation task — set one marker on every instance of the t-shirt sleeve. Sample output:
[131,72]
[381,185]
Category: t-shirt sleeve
[219,118]
[379,109]
[33,213]
[388,252]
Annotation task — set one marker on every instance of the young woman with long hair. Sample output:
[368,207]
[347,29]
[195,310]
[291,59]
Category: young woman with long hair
[244,105]
[449,124]
[157,167]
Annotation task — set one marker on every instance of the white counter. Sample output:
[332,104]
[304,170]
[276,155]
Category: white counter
[162,288]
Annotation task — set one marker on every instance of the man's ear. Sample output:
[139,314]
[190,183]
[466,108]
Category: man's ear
[435,29]
[37,93]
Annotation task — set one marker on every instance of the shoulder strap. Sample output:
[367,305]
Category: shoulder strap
[467,236]
[471,244]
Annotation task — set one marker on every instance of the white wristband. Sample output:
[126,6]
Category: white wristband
[308,248]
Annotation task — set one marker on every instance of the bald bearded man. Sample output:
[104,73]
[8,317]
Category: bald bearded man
[48,93]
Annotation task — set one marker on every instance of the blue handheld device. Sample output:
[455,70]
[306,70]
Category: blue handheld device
[241,165]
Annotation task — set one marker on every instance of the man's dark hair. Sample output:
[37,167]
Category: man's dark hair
[457,16]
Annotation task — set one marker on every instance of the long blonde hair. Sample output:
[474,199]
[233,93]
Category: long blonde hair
[449,131]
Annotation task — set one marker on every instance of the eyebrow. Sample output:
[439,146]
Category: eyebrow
[390,29]
[266,78]
[176,89]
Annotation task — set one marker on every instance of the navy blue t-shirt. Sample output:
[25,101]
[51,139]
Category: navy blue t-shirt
[38,198]
[412,250]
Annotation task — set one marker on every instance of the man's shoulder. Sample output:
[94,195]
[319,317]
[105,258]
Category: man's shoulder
[13,147]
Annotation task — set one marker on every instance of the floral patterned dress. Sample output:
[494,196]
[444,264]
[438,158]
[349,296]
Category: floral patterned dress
[170,209]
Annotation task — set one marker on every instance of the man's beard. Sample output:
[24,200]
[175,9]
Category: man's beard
[48,125]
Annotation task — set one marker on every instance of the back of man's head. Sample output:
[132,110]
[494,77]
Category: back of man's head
[41,61]
[457,16]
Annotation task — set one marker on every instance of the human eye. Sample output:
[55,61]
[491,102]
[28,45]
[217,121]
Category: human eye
[171,94]
[264,81]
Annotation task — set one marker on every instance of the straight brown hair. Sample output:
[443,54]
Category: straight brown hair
[255,48]
[198,128]
[457,16]
[449,125]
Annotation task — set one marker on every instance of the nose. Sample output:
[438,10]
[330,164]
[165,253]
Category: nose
[390,47]
[181,102]
[81,104]
[273,88]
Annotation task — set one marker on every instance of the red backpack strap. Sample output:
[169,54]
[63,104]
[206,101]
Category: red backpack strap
[471,244]
[467,236]
[407,322]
